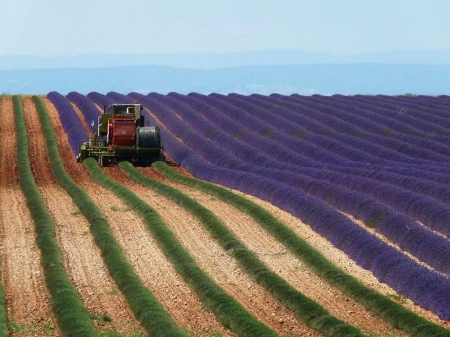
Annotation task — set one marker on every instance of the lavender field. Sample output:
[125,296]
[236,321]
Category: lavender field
[368,173]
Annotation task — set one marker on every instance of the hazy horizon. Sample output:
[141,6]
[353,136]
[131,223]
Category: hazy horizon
[64,27]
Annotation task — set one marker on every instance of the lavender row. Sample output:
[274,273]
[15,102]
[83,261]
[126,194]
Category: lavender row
[366,121]
[201,103]
[262,135]
[364,115]
[284,126]
[437,190]
[435,105]
[414,281]
[387,113]
[89,110]
[385,142]
[435,161]
[364,142]
[99,99]
[69,121]
[432,213]
[299,136]
[385,148]
[429,130]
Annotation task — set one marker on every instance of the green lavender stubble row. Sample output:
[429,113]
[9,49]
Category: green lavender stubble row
[314,315]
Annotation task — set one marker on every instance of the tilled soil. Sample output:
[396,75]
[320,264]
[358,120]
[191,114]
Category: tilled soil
[221,267]
[27,299]
[282,262]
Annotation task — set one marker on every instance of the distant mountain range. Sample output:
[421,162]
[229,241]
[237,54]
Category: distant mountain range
[265,72]
[223,60]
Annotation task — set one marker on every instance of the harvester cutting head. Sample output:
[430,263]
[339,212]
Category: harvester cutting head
[121,135]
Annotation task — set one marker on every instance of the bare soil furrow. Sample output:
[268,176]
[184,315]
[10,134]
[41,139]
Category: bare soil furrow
[85,266]
[153,268]
[9,175]
[27,298]
[37,148]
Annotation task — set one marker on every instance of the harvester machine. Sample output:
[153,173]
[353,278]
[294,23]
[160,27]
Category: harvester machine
[122,135]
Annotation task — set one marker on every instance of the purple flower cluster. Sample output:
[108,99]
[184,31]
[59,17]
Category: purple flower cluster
[100,99]
[69,121]
[88,109]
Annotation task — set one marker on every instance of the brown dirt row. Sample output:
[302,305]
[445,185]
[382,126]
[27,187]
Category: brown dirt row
[221,267]
[27,299]
[82,258]
[9,175]
[286,265]
[142,252]
[37,148]
[152,267]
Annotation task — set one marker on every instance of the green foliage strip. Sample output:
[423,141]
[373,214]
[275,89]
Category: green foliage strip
[310,312]
[227,310]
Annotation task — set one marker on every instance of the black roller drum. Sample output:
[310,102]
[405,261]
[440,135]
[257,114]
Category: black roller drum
[148,137]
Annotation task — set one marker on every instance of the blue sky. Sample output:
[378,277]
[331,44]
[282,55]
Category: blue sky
[65,27]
